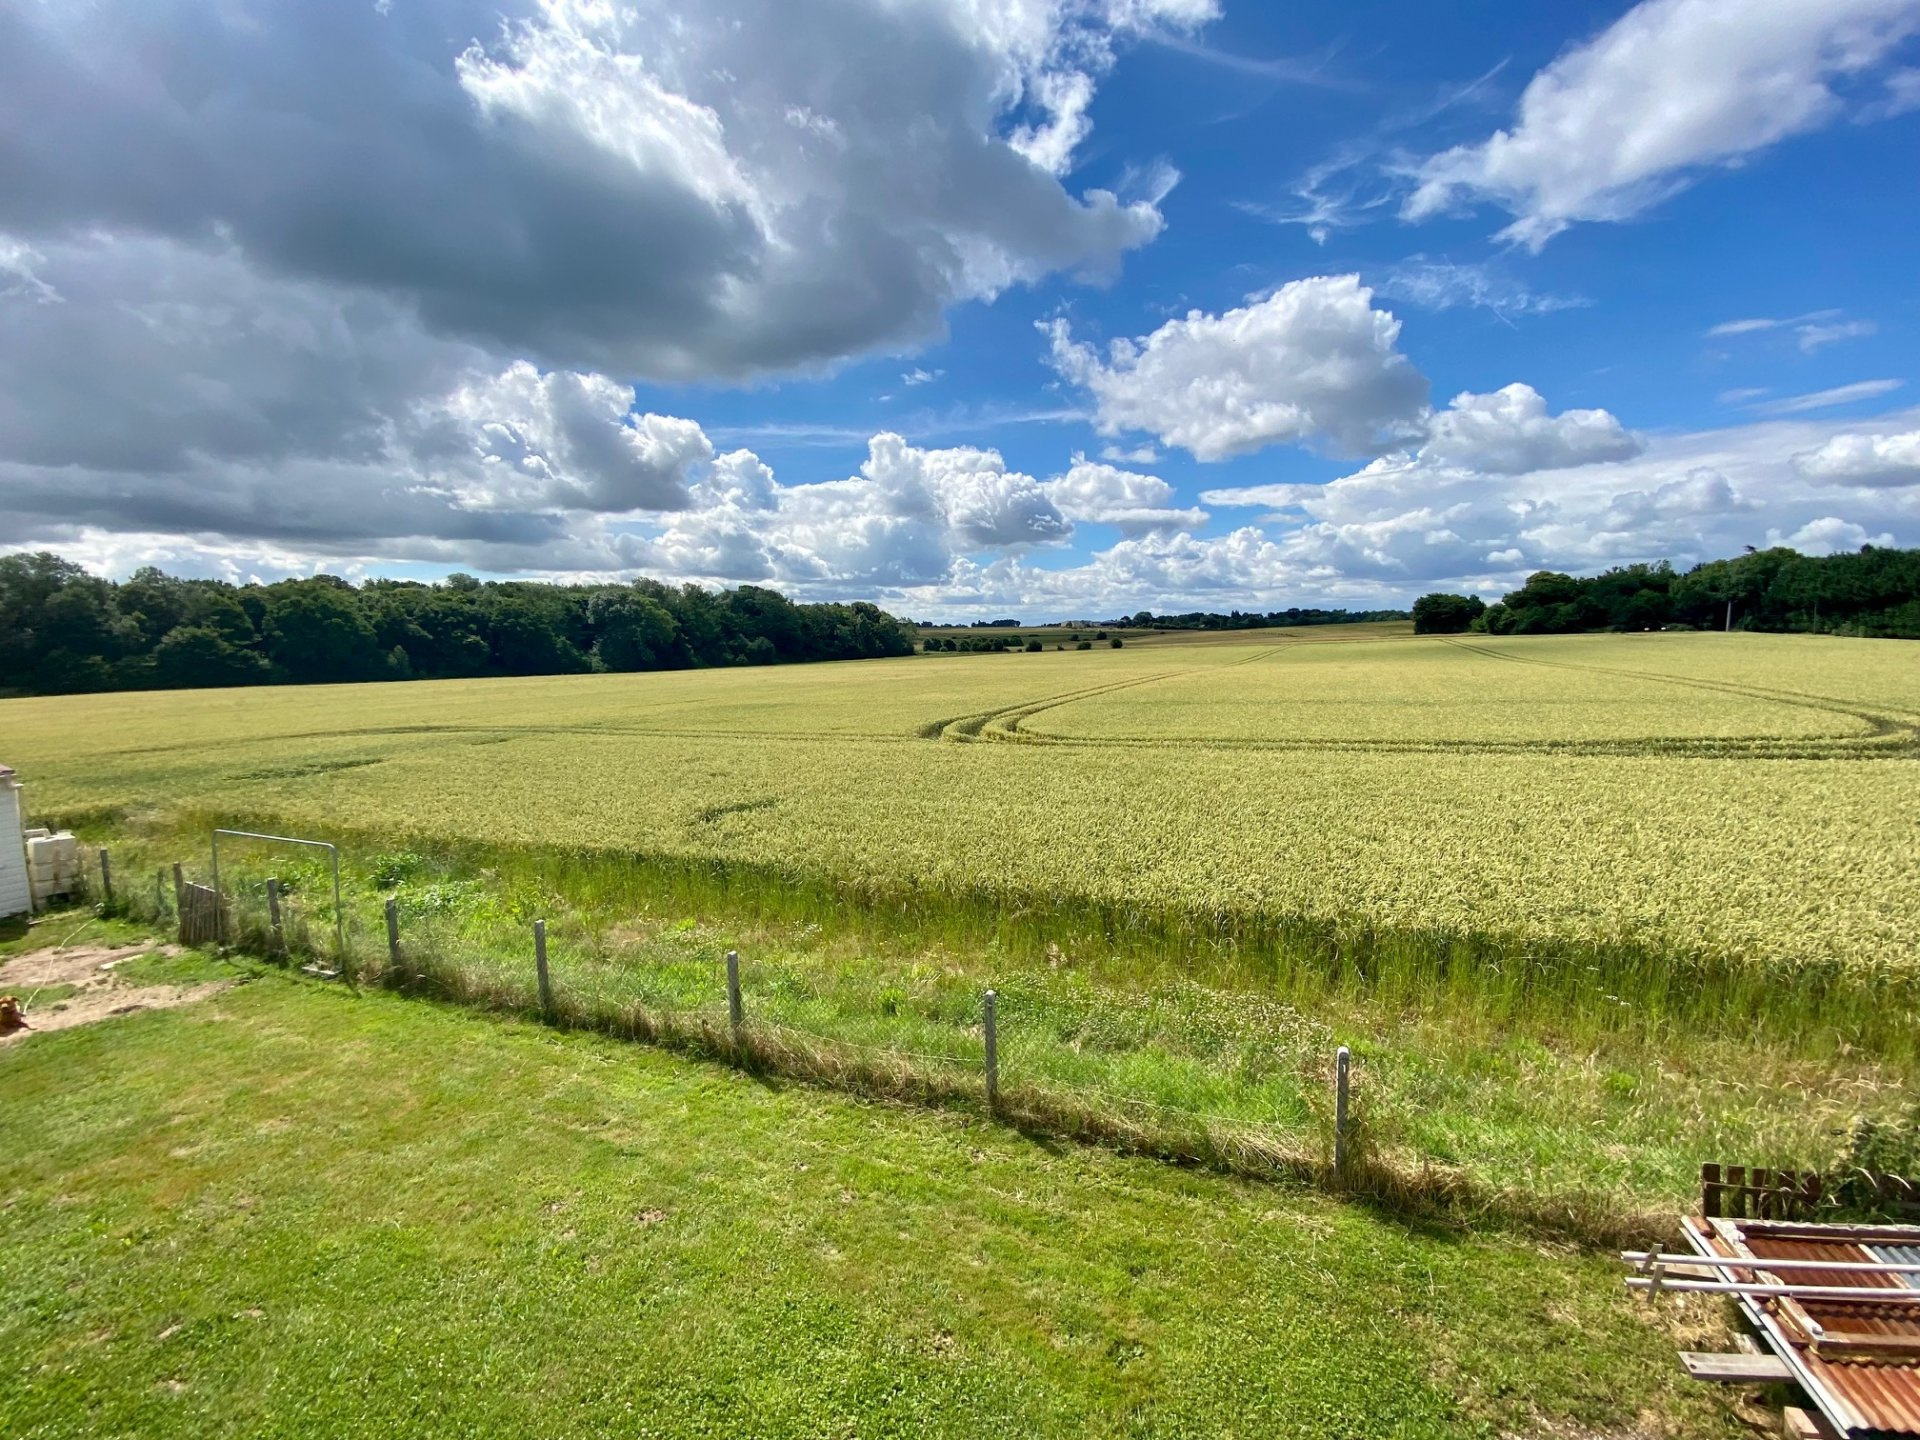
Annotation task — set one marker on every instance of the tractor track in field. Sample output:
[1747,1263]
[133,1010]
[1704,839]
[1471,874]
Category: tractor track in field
[1003,722]
[964,728]
[1891,729]
[1890,733]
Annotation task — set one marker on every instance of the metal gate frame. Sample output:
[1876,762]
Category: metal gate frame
[220,913]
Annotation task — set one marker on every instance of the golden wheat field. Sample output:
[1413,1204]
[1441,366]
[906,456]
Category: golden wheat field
[1745,795]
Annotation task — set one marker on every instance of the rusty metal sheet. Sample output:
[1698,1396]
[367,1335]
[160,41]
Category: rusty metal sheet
[1864,1392]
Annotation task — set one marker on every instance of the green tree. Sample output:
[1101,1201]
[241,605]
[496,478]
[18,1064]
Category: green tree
[632,631]
[153,603]
[195,655]
[1443,614]
[315,632]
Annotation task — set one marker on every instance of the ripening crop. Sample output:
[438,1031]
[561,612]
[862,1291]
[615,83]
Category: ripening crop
[1745,795]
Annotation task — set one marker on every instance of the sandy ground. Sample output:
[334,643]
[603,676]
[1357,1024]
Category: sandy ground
[98,993]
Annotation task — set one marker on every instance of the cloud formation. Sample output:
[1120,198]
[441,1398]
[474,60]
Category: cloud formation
[363,285]
[355,283]
[1446,284]
[649,189]
[1630,118]
[1312,363]
[1864,459]
[1418,521]
[1510,433]
[1811,331]
[1108,495]
[1829,399]
[904,521]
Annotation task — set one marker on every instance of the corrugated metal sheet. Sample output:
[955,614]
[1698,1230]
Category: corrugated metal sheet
[1859,1362]
[1899,1255]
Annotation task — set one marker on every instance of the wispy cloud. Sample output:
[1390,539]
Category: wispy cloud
[800,432]
[1286,69]
[965,418]
[1359,178]
[1446,285]
[1812,337]
[1824,399]
[1747,327]
[917,376]
[1333,195]
[1811,331]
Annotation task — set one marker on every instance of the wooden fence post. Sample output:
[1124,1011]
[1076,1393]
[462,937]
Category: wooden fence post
[1340,1068]
[540,964]
[993,1055]
[393,936]
[179,889]
[736,1012]
[106,876]
[273,915]
[159,893]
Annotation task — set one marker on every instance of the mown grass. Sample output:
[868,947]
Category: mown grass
[293,1210]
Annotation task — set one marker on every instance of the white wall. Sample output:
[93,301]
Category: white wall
[14,898]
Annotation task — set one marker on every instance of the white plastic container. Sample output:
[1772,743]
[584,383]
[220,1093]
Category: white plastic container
[53,866]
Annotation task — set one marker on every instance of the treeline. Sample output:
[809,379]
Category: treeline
[1028,641]
[1252,619]
[1870,592]
[63,630]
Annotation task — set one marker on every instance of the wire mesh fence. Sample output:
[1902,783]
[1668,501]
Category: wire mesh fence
[1176,1066]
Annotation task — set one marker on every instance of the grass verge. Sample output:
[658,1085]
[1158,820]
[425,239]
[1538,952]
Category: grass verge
[292,1210]
[1573,1124]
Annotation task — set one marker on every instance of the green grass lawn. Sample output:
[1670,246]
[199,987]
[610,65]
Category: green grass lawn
[295,1211]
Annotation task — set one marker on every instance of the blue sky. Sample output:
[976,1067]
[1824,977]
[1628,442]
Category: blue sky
[1054,308]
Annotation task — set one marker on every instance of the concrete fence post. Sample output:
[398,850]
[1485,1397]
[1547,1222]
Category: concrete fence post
[273,916]
[540,964]
[736,1011]
[993,1054]
[1341,1065]
[393,934]
[106,876]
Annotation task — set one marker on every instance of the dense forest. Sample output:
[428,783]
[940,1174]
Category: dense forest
[63,630]
[1871,592]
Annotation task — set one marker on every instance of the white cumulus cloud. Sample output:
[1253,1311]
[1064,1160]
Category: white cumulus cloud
[905,520]
[1828,535]
[1109,495]
[1870,460]
[1312,363]
[568,439]
[1509,432]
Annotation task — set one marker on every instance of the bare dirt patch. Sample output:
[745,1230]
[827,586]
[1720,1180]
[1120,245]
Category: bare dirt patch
[96,992]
